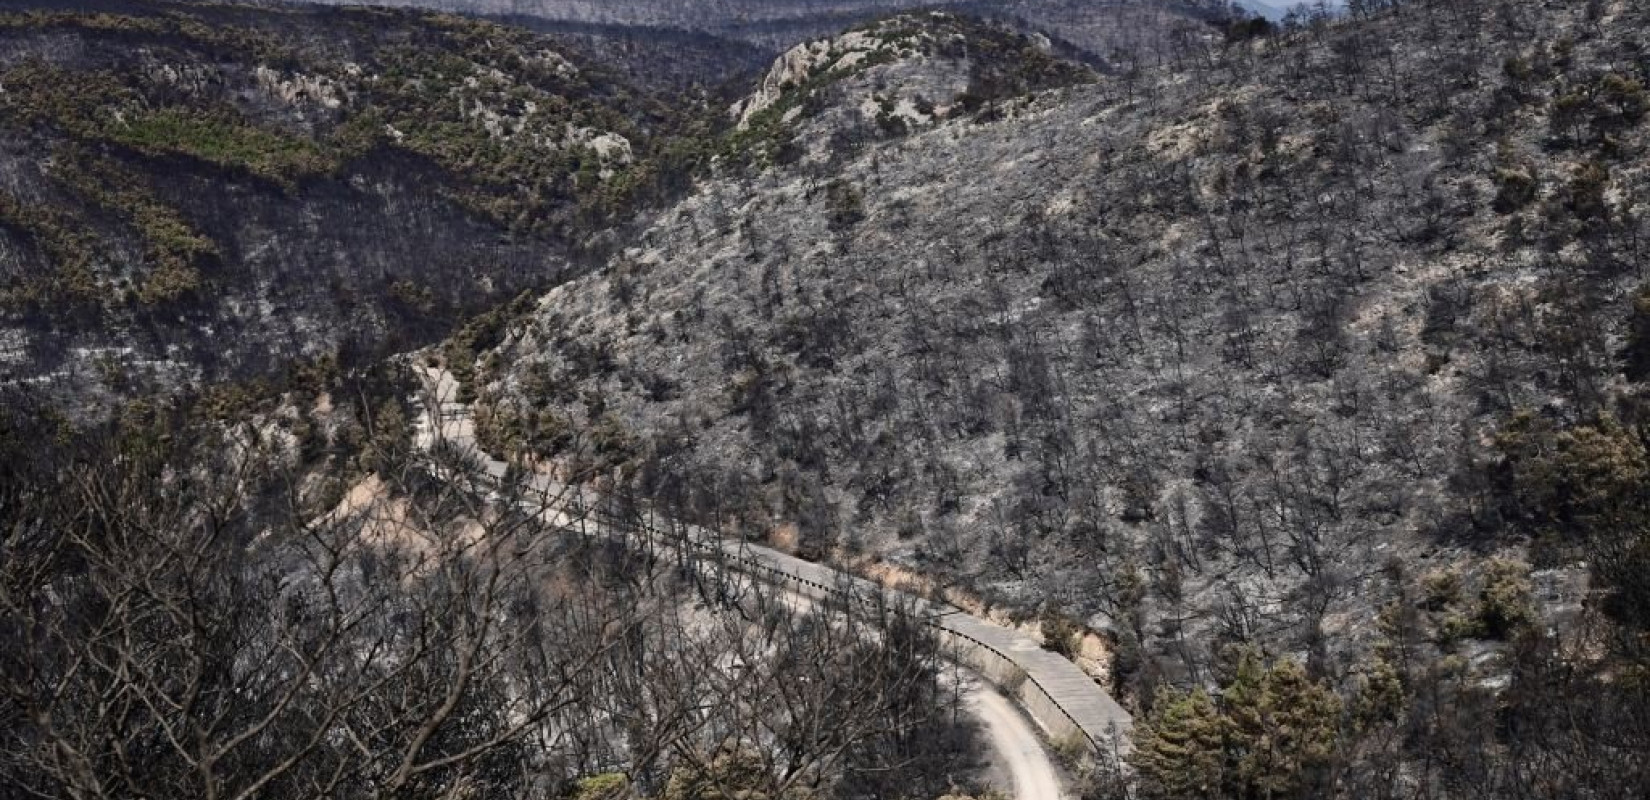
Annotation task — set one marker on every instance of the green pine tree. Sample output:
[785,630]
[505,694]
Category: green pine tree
[1180,750]
[1282,729]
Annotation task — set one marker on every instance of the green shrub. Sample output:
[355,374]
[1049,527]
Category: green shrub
[1584,479]
[602,786]
[65,242]
[174,251]
[1505,606]
[219,138]
[730,774]
[168,282]
[1584,195]
[413,295]
[1061,635]
[1602,109]
[1380,696]
[1587,489]
[1440,589]
[1515,188]
[1619,102]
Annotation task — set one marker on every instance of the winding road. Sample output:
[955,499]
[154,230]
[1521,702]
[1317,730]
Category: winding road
[1060,698]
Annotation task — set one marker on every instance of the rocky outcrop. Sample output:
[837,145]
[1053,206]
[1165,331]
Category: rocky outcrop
[823,99]
[812,61]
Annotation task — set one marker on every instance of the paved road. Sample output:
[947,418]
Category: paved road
[1063,699]
[1016,748]
[1019,764]
[1059,696]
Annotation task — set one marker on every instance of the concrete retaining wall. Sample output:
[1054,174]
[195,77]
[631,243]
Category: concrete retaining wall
[1013,680]
[1000,668]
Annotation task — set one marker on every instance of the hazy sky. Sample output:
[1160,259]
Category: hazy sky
[1277,8]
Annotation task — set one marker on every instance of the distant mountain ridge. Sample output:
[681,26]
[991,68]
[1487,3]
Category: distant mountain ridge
[1100,28]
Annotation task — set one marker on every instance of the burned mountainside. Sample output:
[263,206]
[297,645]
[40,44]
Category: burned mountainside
[1247,355]
[1290,379]
[192,193]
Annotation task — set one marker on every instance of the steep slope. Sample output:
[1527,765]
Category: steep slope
[1299,389]
[198,192]
[1214,360]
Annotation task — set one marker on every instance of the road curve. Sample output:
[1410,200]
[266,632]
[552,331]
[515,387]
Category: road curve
[1019,764]
[1063,700]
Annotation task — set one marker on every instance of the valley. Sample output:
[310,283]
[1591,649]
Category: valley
[785,400]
